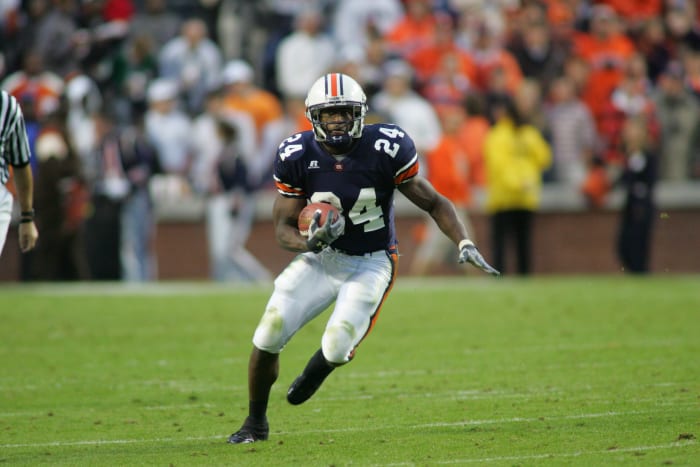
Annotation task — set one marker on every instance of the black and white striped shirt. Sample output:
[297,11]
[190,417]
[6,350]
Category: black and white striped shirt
[14,146]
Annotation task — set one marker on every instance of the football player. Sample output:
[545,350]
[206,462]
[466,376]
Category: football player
[351,261]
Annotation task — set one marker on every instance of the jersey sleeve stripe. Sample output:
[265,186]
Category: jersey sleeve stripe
[407,171]
[287,190]
[407,175]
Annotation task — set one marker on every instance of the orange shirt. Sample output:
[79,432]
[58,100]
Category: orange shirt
[427,61]
[607,59]
[448,170]
[410,34]
[486,64]
[263,106]
[472,135]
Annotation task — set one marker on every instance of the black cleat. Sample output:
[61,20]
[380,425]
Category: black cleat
[250,432]
[303,388]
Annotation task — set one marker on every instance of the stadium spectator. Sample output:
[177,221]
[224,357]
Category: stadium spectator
[365,65]
[83,99]
[33,83]
[414,30]
[167,128]
[681,21]
[639,179]
[109,187]
[447,86]
[154,20]
[398,102]
[516,155]
[241,94]
[690,60]
[58,39]
[428,59]
[140,162]
[473,133]
[540,56]
[635,12]
[678,113]
[236,212]
[192,60]
[60,201]
[490,56]
[229,207]
[657,49]
[358,22]
[303,55]
[134,66]
[277,20]
[629,98]
[605,49]
[573,134]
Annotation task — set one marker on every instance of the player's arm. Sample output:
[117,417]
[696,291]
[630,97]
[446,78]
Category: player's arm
[285,213]
[421,193]
[24,184]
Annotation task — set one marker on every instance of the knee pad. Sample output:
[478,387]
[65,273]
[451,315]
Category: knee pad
[337,343]
[269,335]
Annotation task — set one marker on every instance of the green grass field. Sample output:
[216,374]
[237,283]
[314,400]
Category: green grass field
[546,371]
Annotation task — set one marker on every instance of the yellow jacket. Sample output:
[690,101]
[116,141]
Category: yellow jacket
[515,160]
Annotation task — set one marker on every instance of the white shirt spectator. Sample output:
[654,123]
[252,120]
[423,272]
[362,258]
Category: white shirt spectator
[194,61]
[304,55]
[399,103]
[168,128]
[352,19]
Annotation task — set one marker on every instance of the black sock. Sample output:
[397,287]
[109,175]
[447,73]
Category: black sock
[318,367]
[257,411]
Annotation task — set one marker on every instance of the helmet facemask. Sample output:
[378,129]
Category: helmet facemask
[336,132]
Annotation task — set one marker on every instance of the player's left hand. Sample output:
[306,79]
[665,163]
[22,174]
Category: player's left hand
[321,237]
[469,254]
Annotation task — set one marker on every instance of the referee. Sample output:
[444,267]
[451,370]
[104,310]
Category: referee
[14,151]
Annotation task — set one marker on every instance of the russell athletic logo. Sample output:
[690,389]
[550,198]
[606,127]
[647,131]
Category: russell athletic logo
[313,165]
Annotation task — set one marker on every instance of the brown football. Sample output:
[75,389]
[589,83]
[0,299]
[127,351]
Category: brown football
[307,214]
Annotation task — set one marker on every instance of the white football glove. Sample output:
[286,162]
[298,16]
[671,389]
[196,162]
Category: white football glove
[469,254]
[321,237]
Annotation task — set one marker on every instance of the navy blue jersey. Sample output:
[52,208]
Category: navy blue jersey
[361,184]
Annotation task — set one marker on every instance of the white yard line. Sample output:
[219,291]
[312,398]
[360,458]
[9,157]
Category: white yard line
[350,430]
[554,455]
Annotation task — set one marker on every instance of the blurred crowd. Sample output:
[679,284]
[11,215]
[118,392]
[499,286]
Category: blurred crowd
[131,100]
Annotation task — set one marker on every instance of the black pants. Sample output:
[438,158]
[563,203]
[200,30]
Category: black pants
[103,239]
[512,228]
[634,238]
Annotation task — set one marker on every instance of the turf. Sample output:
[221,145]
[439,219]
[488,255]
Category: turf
[546,371]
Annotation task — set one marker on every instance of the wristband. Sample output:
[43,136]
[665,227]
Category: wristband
[464,243]
[26,220]
[29,214]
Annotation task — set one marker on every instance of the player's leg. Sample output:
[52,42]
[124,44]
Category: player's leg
[263,369]
[356,310]
[302,291]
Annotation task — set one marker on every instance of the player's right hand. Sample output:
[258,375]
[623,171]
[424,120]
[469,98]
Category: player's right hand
[322,236]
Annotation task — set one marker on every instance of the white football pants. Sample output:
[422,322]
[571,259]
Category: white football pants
[310,283]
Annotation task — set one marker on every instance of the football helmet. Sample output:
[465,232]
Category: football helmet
[336,91]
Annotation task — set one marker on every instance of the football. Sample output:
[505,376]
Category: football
[307,214]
